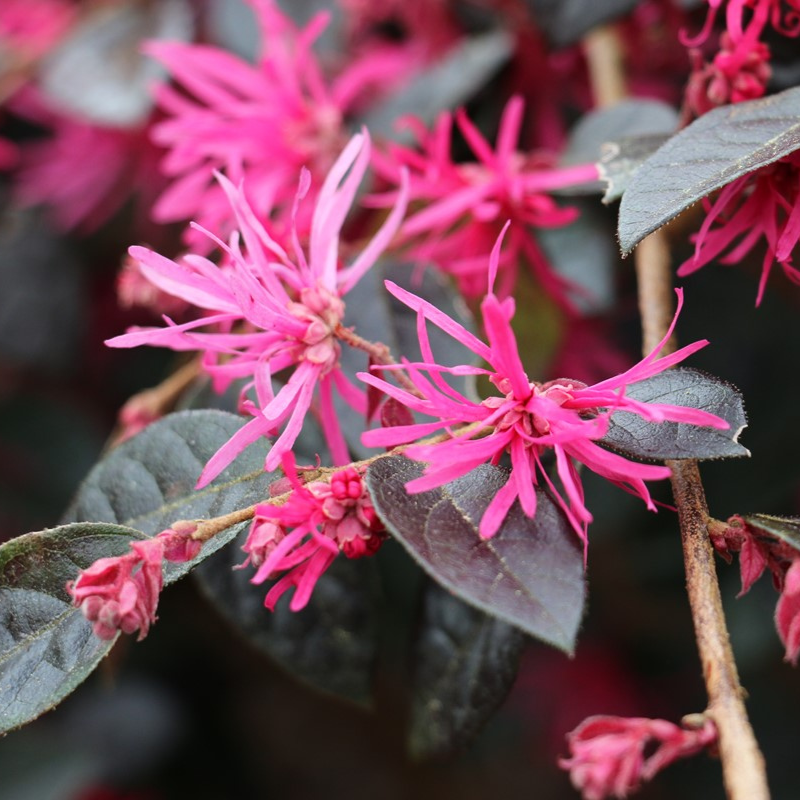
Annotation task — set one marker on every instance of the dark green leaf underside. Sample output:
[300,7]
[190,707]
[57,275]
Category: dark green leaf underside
[787,529]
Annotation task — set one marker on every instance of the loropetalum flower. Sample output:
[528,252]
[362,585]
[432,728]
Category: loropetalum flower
[761,204]
[525,419]
[612,756]
[259,123]
[121,593]
[266,312]
[465,205]
[302,537]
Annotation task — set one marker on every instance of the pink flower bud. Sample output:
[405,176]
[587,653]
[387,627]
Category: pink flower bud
[608,753]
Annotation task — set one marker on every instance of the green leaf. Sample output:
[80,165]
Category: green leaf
[331,644]
[148,482]
[630,434]
[47,647]
[465,663]
[714,150]
[787,529]
[530,574]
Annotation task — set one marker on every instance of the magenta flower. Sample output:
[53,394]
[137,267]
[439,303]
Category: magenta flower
[267,312]
[303,536]
[466,204]
[761,204]
[787,613]
[611,756]
[121,593]
[258,123]
[30,28]
[525,419]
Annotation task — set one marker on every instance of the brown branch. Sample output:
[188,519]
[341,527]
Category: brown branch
[743,768]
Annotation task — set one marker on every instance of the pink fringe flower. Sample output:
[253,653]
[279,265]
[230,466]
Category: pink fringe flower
[303,536]
[121,593]
[268,312]
[260,124]
[466,204]
[761,204]
[608,754]
[525,419]
[787,613]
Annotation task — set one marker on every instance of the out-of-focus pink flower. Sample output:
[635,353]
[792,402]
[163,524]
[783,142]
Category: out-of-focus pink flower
[268,312]
[761,204]
[133,289]
[464,205]
[258,123]
[121,593]
[304,535]
[83,172]
[526,419]
[787,613]
[29,28]
[611,756]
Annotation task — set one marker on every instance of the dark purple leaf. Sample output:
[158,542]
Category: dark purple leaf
[622,158]
[530,574]
[633,436]
[443,86]
[566,21]
[787,529]
[331,644]
[465,663]
[722,145]
[47,647]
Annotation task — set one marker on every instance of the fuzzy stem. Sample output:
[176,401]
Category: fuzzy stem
[743,768]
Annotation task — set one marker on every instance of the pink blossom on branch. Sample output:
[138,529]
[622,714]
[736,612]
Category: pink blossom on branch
[525,419]
[266,312]
[612,756]
[465,205]
[302,537]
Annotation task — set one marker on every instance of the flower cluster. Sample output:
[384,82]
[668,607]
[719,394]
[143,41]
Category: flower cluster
[269,312]
[121,593]
[612,756]
[525,419]
[302,537]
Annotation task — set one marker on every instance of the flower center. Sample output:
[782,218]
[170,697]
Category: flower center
[322,311]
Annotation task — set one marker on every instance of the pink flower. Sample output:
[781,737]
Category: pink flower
[29,28]
[260,124]
[761,204]
[607,754]
[525,419]
[268,312]
[466,204]
[787,613]
[121,593]
[304,535]
[82,173]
